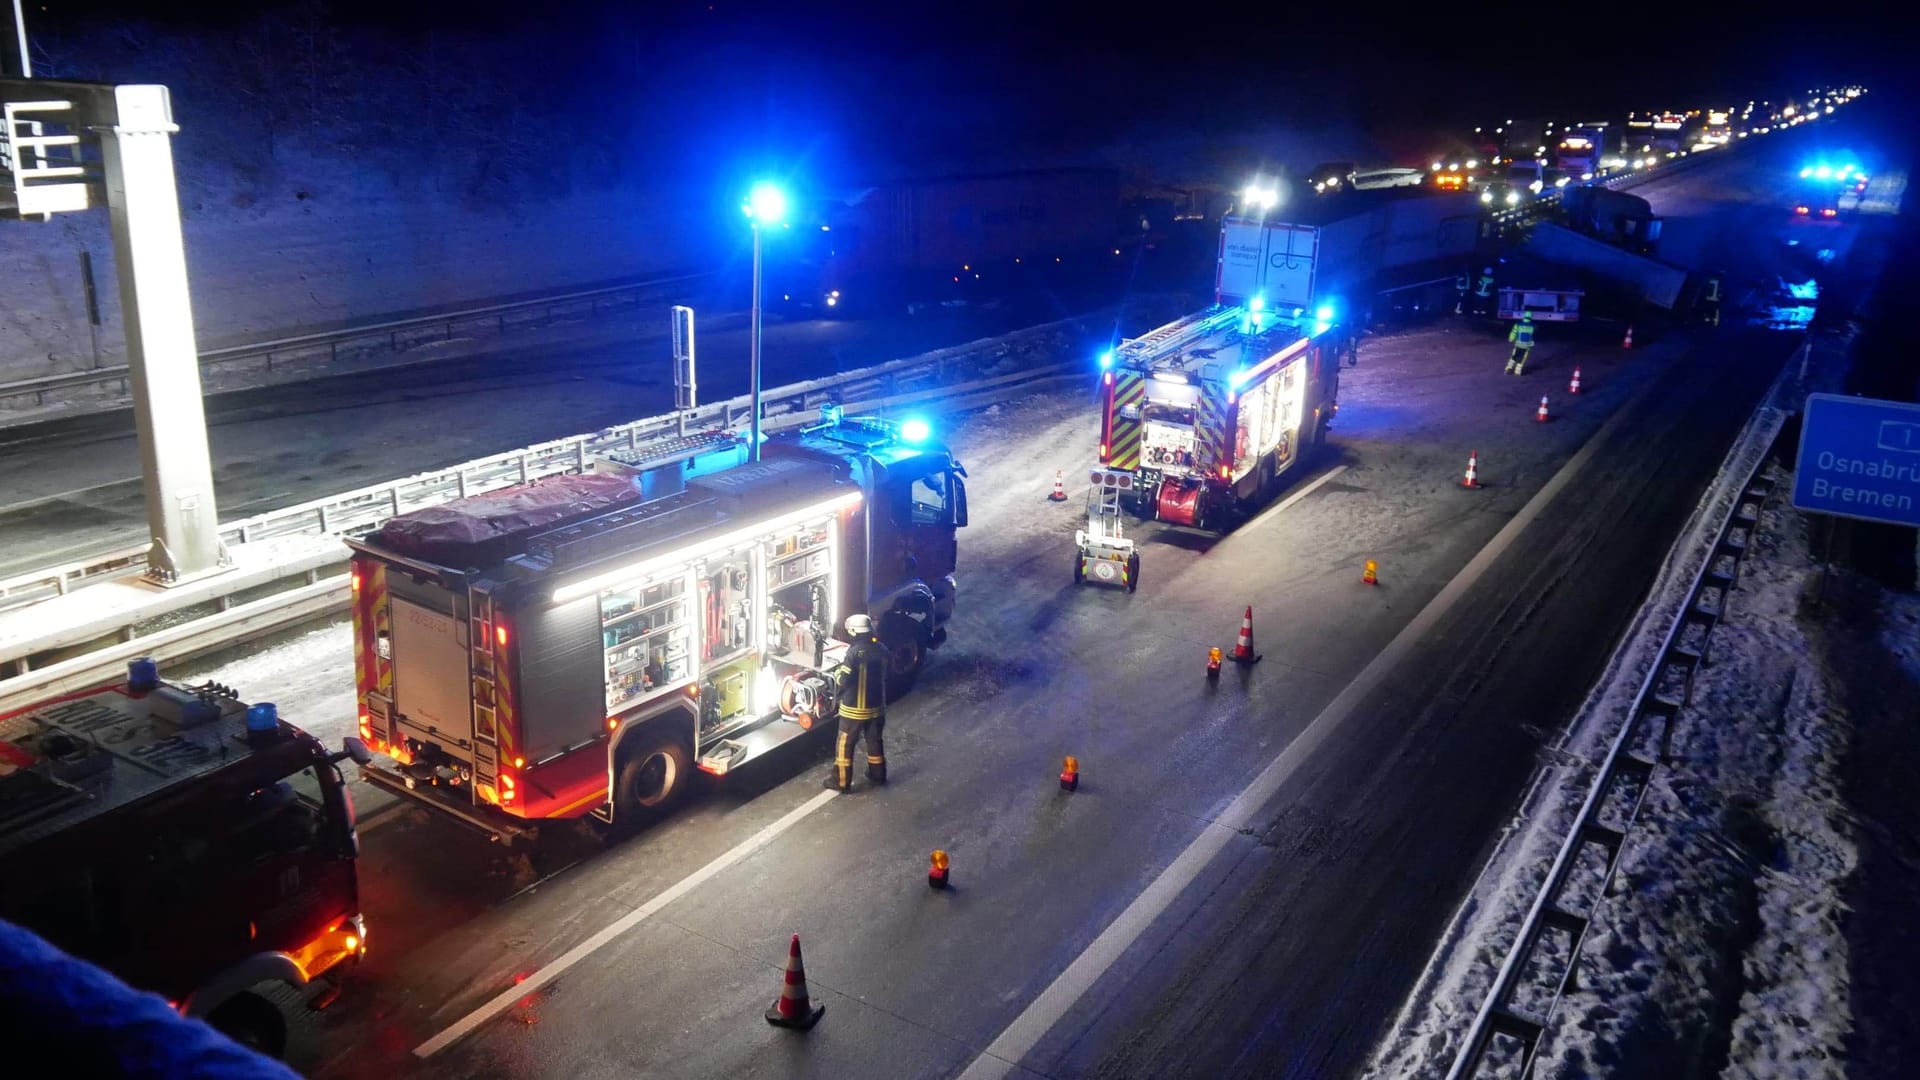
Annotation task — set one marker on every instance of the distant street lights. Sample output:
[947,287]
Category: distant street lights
[1260,198]
[766,205]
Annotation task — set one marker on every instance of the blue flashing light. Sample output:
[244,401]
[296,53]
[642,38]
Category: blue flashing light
[766,204]
[1106,360]
[1806,172]
[262,719]
[915,431]
[1258,303]
[1324,313]
[1823,172]
[1238,377]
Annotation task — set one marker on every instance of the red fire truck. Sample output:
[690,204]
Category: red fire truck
[188,843]
[572,647]
[1211,411]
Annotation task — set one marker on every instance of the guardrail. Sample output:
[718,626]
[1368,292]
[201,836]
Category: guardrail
[1620,785]
[395,334]
[319,597]
[367,507]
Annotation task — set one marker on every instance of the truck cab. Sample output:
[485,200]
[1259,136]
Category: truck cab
[193,845]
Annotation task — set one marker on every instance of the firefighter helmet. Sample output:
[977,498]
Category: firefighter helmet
[859,625]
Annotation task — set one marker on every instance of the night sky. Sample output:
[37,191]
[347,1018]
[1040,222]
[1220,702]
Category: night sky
[949,82]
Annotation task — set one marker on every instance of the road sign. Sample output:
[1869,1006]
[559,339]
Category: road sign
[1859,458]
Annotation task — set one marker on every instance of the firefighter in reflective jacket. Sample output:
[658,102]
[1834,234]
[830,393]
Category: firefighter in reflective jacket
[861,690]
[1461,283]
[1712,298]
[1522,337]
[1483,291]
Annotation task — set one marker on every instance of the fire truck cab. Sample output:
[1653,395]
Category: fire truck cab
[191,844]
[573,647]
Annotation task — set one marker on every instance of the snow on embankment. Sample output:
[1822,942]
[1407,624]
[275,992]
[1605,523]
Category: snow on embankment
[329,258]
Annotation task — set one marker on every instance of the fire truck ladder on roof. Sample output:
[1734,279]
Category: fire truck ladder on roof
[1177,335]
[45,171]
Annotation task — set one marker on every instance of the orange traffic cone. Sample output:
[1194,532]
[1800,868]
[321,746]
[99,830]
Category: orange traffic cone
[1059,488]
[1370,573]
[937,872]
[1541,415]
[1472,479]
[1213,662]
[1574,387]
[794,1010]
[1070,772]
[1628,344]
[1243,648]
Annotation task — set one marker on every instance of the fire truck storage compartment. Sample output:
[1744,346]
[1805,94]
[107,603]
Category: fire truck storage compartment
[1269,418]
[430,683]
[560,704]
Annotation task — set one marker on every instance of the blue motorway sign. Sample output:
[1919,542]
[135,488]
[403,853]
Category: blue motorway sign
[1859,458]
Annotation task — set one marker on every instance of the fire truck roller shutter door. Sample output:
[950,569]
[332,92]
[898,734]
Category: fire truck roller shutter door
[562,675]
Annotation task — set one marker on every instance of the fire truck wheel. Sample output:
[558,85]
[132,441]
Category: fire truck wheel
[1079,568]
[1133,571]
[905,652]
[653,774]
[253,1022]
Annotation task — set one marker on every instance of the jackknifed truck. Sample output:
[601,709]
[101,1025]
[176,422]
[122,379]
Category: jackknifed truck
[573,647]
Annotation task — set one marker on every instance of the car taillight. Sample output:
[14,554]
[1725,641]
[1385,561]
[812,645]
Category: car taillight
[1799,209]
[1829,212]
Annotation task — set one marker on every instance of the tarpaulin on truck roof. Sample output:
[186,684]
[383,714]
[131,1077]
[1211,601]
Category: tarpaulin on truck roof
[478,529]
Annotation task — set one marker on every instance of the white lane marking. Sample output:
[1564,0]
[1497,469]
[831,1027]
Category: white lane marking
[465,1025]
[1027,1029]
[1293,498]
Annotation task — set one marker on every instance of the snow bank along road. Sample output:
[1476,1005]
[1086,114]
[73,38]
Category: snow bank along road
[1290,944]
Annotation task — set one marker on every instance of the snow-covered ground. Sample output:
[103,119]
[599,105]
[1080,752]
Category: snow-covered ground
[329,258]
[1723,943]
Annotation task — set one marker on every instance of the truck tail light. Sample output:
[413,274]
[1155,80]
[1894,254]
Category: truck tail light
[1223,472]
[354,582]
[506,789]
[500,634]
[1103,453]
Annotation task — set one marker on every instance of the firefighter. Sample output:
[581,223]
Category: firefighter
[1522,337]
[861,691]
[1462,281]
[1711,295]
[1483,291]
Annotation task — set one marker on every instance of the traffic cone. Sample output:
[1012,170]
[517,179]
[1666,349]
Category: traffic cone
[1541,415]
[1243,648]
[937,872]
[1070,773]
[1472,479]
[1574,387]
[1213,662]
[1628,344]
[1370,573]
[793,1009]
[1059,488]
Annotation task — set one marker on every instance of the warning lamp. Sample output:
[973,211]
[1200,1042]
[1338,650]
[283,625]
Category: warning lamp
[519,763]
[1103,451]
[613,723]
[1223,472]
[937,870]
[354,581]
[500,634]
[1070,774]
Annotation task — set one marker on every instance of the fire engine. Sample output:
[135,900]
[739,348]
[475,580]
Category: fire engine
[189,843]
[576,646]
[1209,412]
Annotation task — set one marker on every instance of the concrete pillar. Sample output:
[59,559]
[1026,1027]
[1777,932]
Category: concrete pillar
[137,154]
